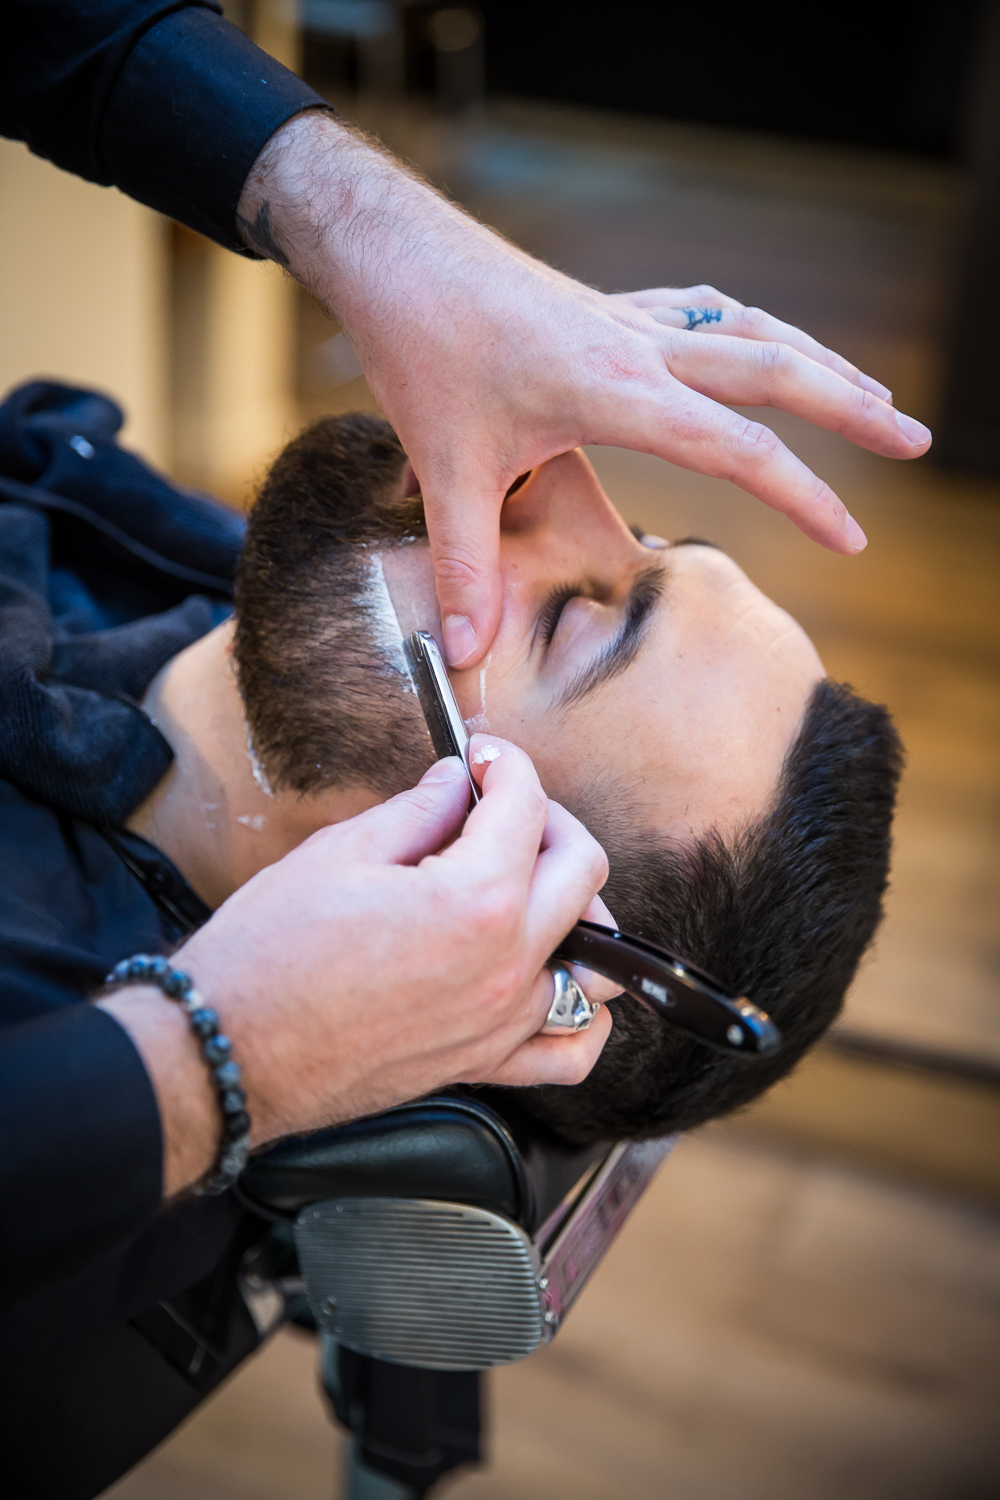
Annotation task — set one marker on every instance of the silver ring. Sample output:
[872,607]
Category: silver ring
[570,1010]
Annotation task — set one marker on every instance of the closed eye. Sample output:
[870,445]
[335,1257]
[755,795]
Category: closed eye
[550,613]
[618,655]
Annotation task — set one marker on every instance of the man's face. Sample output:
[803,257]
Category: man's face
[660,673]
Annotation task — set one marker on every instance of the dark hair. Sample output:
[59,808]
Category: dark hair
[781,912]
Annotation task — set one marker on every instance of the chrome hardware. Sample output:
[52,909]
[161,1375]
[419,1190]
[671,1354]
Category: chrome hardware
[445,1286]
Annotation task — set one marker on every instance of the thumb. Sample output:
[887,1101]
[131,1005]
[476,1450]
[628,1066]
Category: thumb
[408,827]
[464,534]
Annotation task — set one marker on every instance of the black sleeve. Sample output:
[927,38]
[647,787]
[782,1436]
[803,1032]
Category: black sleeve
[162,98]
[81,1155]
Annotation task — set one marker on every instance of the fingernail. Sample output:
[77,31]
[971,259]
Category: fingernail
[855,535]
[451,769]
[877,388]
[913,431]
[459,639]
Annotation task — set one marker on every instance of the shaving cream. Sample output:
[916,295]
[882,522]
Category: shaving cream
[377,604]
[259,774]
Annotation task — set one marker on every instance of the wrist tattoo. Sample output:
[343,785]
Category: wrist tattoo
[698,315]
[260,236]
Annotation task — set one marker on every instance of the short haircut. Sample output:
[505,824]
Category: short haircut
[781,911]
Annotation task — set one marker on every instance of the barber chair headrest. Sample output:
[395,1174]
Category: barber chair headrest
[450,1233]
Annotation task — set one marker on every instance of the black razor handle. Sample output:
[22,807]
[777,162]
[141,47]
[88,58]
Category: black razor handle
[673,989]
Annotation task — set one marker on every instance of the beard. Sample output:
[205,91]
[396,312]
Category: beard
[318,653]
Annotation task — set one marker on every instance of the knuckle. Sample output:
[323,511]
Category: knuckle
[455,571]
[536,804]
[574,1065]
[755,444]
[593,862]
[753,320]
[599,866]
[772,357]
[867,404]
[496,909]
[416,804]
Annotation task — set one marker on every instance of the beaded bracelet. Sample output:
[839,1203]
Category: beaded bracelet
[216,1050]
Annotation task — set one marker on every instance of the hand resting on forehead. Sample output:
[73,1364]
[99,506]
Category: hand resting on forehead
[743,799]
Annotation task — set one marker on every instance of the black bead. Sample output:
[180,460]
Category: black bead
[159,969]
[204,1022]
[233,1126]
[177,985]
[217,1049]
[227,1074]
[233,1100]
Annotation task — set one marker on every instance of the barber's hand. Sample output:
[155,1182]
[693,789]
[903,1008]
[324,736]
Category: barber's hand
[488,362]
[383,958]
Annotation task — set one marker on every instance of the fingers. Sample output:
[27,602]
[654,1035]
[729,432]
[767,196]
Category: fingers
[501,839]
[552,1059]
[463,528]
[753,323]
[408,827]
[709,311]
[570,870]
[678,296]
[595,986]
[773,374]
[701,435]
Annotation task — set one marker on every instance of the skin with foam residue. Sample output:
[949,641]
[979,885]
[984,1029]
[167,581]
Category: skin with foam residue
[257,770]
[386,627]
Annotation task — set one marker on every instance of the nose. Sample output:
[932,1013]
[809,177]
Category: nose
[564,493]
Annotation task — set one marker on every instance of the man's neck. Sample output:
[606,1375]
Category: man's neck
[208,814]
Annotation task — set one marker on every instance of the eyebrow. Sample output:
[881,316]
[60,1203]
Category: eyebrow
[619,654]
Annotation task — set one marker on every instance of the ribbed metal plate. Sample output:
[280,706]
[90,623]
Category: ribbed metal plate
[437,1285]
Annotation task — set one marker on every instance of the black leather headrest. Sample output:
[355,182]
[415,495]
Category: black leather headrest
[453,1149]
[457,1148]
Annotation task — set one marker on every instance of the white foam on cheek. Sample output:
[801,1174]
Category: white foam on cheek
[386,633]
[487,753]
[259,774]
[256,821]
[479,723]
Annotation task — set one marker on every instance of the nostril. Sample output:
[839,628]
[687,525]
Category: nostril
[521,479]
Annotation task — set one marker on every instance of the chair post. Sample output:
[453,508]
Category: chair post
[409,1426]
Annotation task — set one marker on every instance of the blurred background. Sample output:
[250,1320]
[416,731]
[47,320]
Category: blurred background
[807,1302]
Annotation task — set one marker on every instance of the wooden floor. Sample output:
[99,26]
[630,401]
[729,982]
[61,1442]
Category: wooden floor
[807,1304]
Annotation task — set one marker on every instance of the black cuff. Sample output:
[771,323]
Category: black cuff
[82,1161]
[190,112]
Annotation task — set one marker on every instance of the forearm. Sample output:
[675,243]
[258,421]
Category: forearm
[187,1102]
[373,241]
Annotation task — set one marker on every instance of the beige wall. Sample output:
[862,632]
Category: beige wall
[83,274]
[233,329]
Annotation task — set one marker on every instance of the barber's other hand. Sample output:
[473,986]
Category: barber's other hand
[488,362]
[381,959]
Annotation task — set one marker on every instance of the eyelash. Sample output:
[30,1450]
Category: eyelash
[551,613]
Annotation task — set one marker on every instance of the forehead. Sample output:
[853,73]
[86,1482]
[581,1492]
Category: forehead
[698,728]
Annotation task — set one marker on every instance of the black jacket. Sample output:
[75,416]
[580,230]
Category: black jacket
[162,98]
[106,572]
